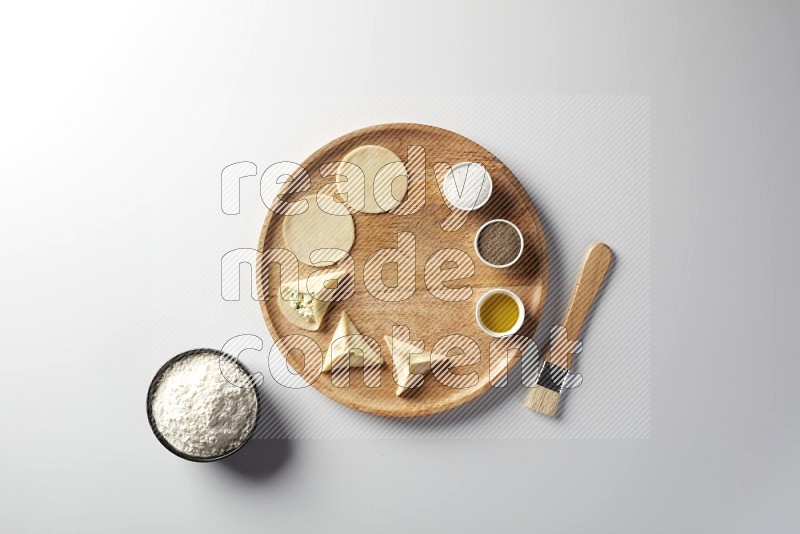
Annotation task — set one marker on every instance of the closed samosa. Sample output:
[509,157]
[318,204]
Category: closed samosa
[348,348]
[410,365]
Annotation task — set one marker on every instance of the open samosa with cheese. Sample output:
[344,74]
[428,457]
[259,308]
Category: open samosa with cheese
[410,364]
[348,348]
[305,302]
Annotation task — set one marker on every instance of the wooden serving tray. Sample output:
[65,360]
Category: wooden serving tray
[427,317]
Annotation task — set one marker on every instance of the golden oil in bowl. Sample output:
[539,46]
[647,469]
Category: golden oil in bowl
[500,312]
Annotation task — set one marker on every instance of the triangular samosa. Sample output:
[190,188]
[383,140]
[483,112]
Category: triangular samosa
[410,364]
[307,308]
[345,339]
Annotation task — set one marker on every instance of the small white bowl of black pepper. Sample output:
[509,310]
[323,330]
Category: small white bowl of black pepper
[499,243]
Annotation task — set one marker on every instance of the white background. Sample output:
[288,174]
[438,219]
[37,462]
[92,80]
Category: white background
[106,112]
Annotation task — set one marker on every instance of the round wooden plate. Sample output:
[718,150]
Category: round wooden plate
[427,317]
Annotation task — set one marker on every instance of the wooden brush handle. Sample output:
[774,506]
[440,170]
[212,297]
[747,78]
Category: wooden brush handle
[594,270]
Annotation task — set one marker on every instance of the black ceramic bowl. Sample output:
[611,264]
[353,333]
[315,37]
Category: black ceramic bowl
[154,384]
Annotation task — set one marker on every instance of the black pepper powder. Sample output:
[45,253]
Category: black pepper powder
[499,243]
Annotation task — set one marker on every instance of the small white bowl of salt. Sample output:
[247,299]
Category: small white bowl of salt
[467,186]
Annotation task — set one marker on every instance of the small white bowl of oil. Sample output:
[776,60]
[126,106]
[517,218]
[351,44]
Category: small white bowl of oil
[500,312]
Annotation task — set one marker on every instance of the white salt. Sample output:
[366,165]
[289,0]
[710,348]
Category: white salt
[468,186]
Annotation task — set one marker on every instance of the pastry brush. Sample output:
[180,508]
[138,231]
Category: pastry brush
[546,393]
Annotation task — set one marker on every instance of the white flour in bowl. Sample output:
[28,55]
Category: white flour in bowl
[204,405]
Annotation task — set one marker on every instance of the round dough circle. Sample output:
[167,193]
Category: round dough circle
[315,229]
[383,184]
